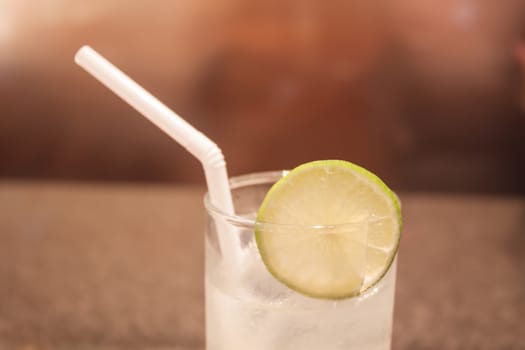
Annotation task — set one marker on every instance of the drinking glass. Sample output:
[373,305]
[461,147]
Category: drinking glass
[249,309]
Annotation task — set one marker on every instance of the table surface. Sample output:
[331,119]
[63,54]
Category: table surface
[99,266]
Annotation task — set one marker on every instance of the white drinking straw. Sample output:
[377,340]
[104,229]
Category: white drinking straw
[177,128]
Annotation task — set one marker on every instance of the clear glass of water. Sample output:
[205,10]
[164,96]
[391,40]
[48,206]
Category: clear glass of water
[248,309]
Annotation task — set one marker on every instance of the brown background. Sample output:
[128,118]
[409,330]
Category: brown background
[425,93]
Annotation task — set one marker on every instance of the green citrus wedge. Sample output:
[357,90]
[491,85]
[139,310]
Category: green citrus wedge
[329,229]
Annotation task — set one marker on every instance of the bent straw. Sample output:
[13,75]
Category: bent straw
[200,146]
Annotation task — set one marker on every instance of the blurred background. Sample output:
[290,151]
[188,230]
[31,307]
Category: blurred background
[430,95]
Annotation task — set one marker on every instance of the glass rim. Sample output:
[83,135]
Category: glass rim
[257,178]
[260,178]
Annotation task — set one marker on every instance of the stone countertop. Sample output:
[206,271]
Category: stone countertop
[105,266]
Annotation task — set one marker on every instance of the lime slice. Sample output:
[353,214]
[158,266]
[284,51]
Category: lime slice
[329,229]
